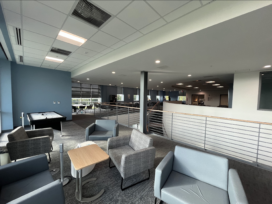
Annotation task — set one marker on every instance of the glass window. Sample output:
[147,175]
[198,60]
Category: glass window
[166,98]
[265,99]
[120,97]
[135,97]
[158,98]
[182,98]
[148,98]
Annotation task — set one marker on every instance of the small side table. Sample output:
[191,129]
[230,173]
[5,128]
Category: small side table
[81,158]
[4,156]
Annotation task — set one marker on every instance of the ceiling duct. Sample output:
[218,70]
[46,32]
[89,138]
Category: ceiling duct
[60,51]
[90,13]
[18,36]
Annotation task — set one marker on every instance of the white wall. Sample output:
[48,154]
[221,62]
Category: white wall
[212,98]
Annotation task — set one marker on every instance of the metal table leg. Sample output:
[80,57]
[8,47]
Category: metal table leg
[79,185]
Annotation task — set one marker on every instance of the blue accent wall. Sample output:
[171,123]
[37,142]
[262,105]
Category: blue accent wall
[34,89]
[6,95]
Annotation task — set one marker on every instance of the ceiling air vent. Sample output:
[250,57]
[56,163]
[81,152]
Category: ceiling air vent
[18,36]
[90,13]
[60,51]
[21,58]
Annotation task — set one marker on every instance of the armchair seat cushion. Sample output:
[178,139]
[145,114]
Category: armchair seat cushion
[116,154]
[100,135]
[19,188]
[183,189]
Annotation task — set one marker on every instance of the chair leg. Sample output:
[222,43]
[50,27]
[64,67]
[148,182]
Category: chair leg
[49,158]
[134,183]
[160,201]
[109,163]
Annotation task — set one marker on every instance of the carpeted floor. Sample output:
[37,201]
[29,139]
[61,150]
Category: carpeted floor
[257,182]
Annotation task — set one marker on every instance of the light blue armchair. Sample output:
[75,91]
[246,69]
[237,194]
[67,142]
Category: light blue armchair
[102,130]
[194,177]
[29,182]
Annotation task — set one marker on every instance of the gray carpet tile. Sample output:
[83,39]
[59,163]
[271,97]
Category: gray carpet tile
[257,182]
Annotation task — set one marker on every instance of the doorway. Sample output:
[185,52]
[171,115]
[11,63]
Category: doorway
[197,99]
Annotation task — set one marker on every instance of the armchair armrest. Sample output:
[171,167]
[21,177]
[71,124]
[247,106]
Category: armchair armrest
[115,142]
[51,193]
[22,169]
[137,162]
[29,147]
[40,132]
[162,173]
[235,188]
[89,130]
[115,130]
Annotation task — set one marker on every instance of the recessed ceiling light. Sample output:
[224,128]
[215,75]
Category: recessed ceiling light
[262,74]
[179,83]
[216,84]
[136,87]
[174,89]
[158,61]
[52,59]
[195,87]
[189,75]
[157,85]
[71,38]
[210,82]
[220,87]
[121,82]
[110,84]
[88,79]
[150,79]
[78,81]
[113,72]
[189,86]
[267,66]
[162,82]
[152,88]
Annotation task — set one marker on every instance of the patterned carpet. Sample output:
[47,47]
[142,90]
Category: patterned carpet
[257,182]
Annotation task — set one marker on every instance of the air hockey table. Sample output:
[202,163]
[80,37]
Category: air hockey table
[45,119]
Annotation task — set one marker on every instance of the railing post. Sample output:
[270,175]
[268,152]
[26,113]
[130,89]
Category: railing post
[128,117]
[116,113]
[108,113]
[257,155]
[172,126]
[205,133]
[94,108]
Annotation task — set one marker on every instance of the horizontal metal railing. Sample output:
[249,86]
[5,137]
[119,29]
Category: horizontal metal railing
[247,141]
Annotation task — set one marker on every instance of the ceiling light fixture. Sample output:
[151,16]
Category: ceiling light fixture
[189,75]
[136,87]
[52,59]
[179,83]
[216,84]
[210,82]
[157,85]
[71,38]
[150,79]
[158,61]
[162,82]
[121,82]
[110,84]
[196,87]
[189,86]
[88,79]
[267,66]
[78,81]
[220,87]
[113,72]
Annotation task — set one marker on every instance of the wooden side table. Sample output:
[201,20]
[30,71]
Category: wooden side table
[81,158]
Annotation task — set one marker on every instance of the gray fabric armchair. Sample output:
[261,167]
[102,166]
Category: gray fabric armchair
[29,182]
[131,154]
[29,143]
[194,177]
[102,130]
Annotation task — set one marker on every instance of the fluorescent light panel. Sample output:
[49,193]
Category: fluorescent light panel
[71,38]
[52,59]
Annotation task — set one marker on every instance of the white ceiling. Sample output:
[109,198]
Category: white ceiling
[41,21]
[242,44]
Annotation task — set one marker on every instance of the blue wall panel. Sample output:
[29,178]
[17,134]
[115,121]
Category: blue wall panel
[34,90]
[6,95]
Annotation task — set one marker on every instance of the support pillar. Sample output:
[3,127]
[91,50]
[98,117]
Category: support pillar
[143,101]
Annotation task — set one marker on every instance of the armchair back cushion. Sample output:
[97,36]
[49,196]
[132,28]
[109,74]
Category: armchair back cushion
[17,134]
[139,140]
[104,125]
[205,167]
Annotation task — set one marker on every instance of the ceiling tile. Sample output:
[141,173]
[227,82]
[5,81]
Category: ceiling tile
[27,54]
[187,8]
[35,45]
[85,52]
[34,51]
[45,14]
[106,51]
[133,37]
[117,45]
[49,64]
[62,6]
[12,18]
[11,30]
[17,47]
[69,64]
[113,7]
[118,29]
[78,56]
[94,46]
[153,26]
[12,40]
[73,60]
[204,2]
[41,28]
[37,38]
[79,28]
[65,69]
[138,14]
[66,65]
[34,64]
[56,55]
[18,52]
[31,59]
[165,7]
[64,46]
[14,6]
[104,39]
